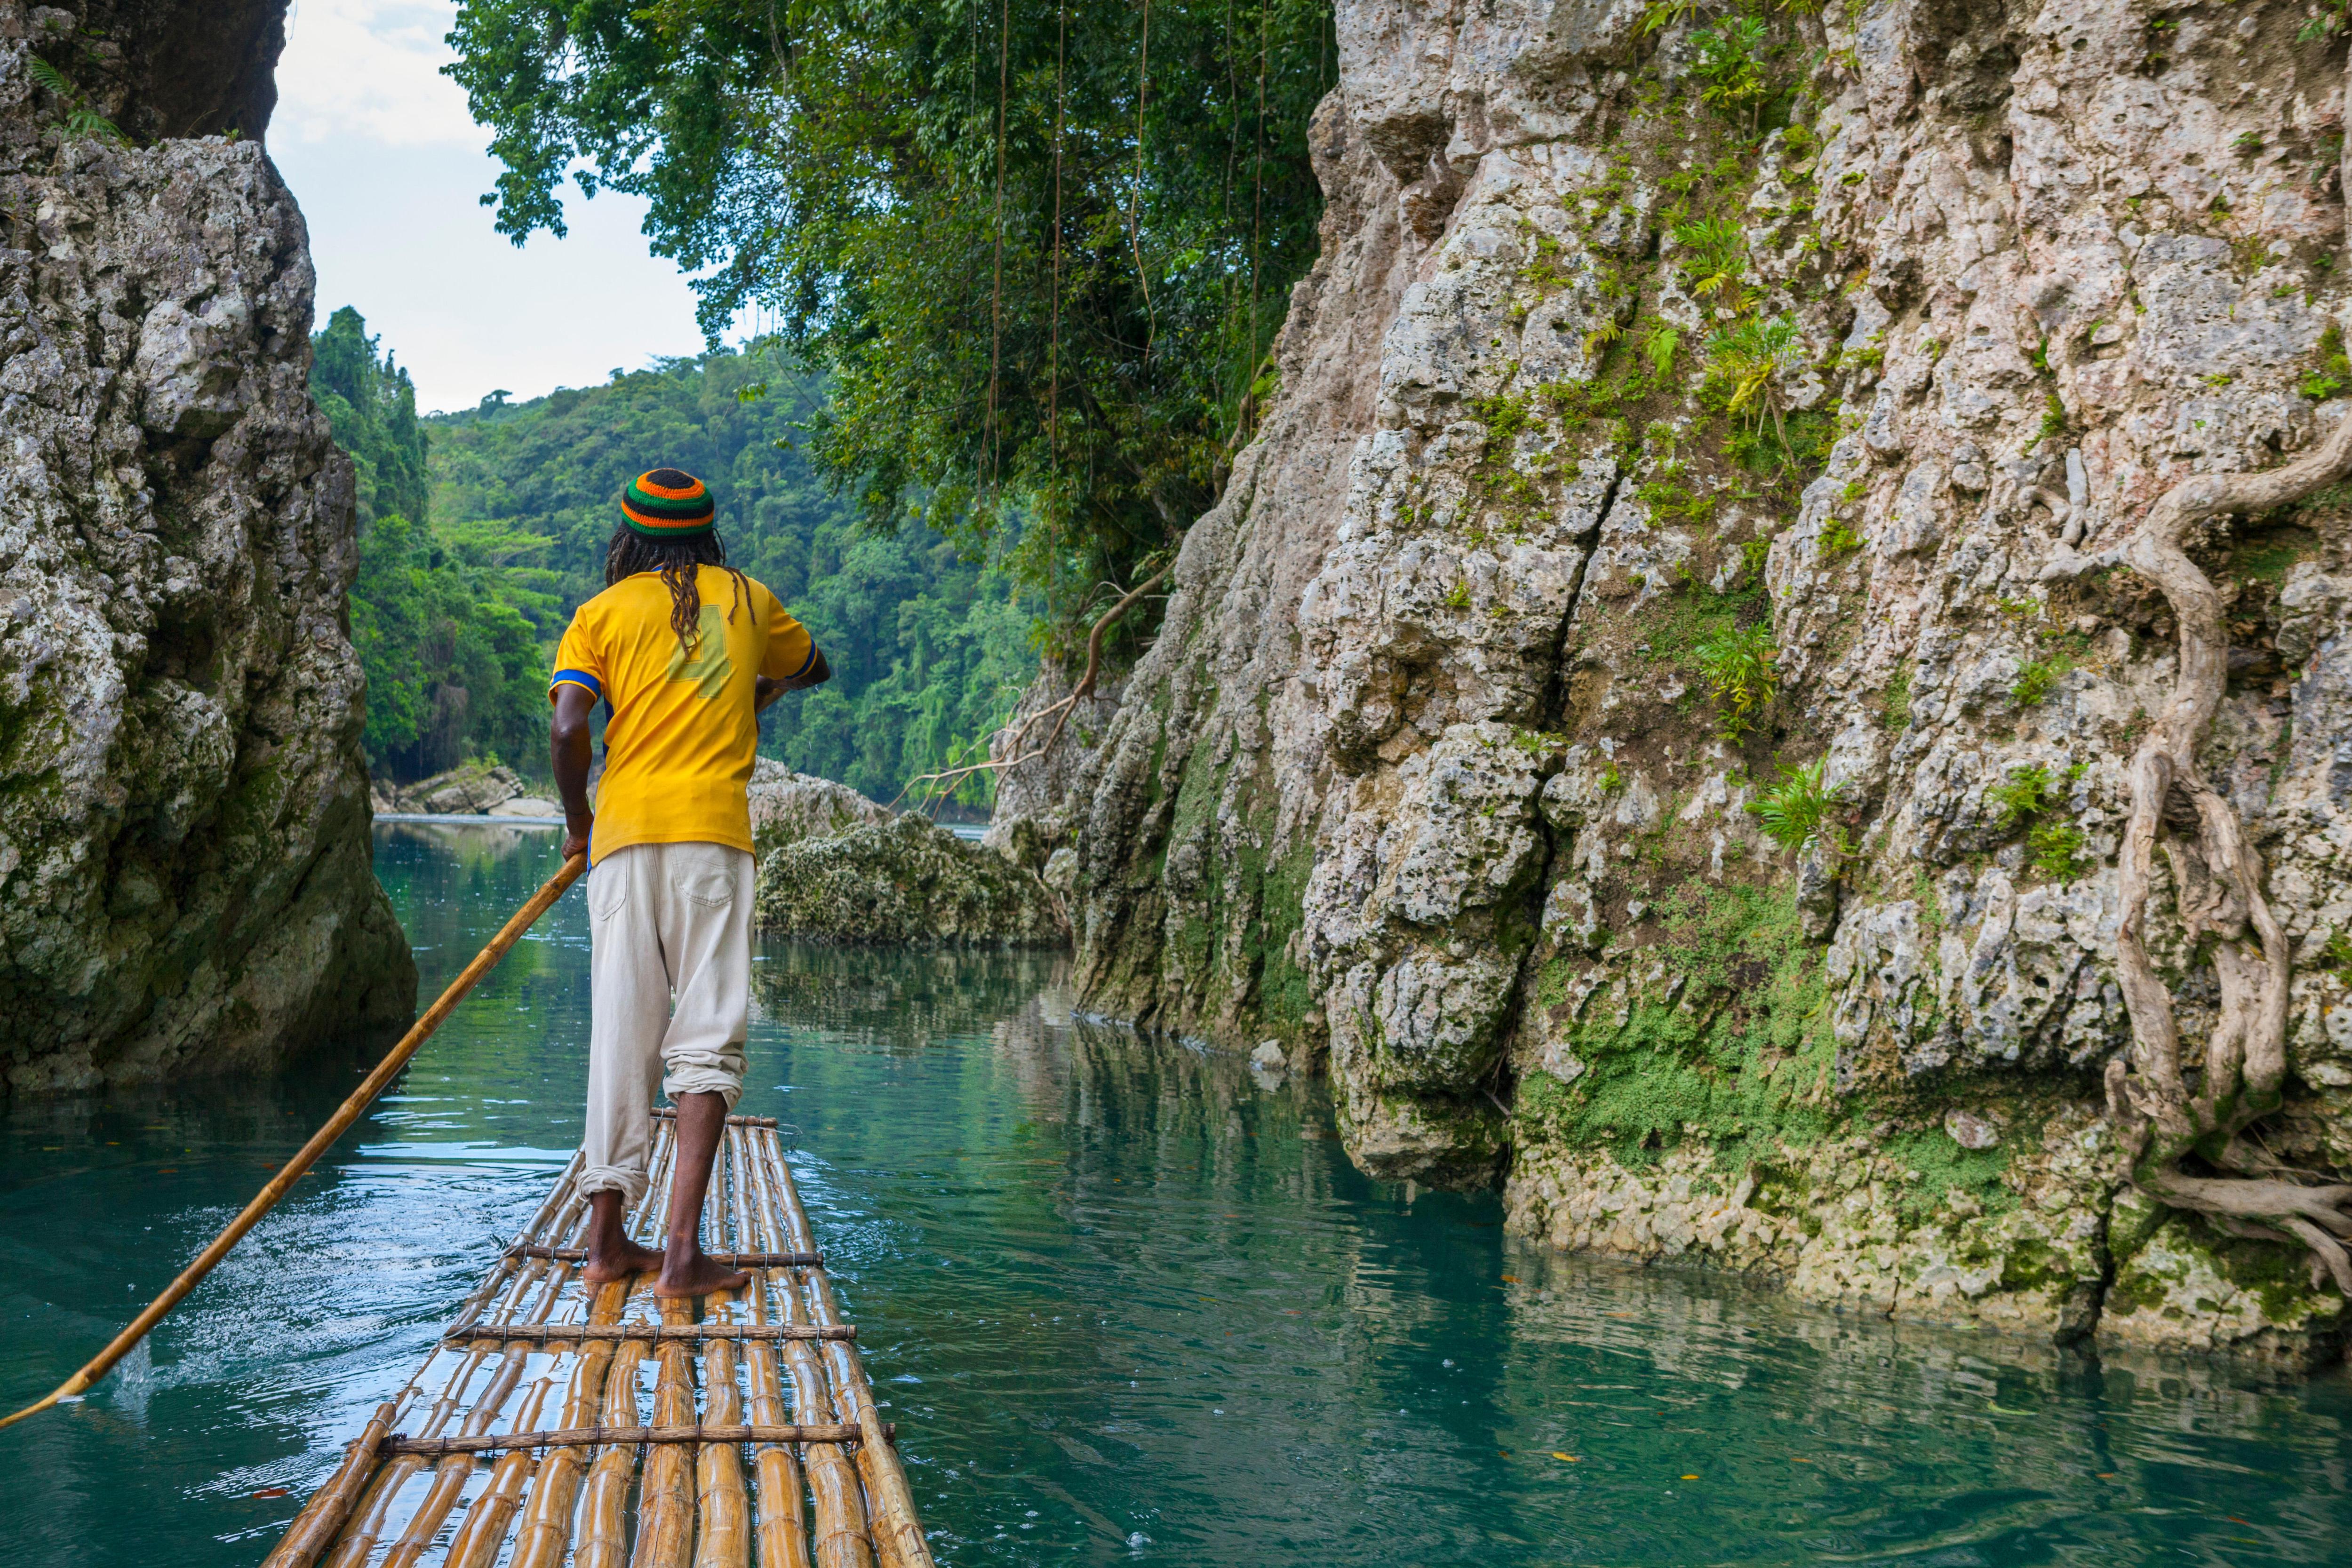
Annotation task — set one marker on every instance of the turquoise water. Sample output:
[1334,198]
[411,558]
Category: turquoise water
[1126,1305]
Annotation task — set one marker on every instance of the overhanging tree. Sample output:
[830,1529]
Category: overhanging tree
[1038,248]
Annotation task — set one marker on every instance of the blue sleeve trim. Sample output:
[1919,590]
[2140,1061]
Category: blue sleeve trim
[580,678]
[806,663]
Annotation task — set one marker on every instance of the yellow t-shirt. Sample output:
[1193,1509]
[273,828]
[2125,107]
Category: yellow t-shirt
[682,732]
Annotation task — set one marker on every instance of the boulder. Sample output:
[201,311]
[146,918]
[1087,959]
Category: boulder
[788,806]
[469,789]
[185,879]
[907,880]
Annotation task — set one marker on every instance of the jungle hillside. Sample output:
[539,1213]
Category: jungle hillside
[481,532]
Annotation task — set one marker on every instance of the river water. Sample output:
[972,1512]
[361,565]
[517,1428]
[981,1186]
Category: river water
[1127,1306]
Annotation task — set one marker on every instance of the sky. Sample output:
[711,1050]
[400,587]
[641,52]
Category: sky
[389,168]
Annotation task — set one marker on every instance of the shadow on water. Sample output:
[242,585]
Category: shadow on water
[1127,1304]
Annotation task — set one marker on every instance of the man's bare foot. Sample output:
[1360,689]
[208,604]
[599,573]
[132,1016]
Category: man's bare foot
[691,1271]
[606,1264]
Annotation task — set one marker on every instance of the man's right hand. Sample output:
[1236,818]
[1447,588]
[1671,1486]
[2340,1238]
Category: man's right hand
[576,833]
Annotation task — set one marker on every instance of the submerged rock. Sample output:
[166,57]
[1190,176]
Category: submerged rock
[907,879]
[185,883]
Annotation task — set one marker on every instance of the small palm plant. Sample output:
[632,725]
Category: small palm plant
[1737,662]
[80,123]
[1750,360]
[1730,67]
[1795,811]
[1718,250]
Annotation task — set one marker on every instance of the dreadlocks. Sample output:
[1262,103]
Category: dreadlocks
[631,552]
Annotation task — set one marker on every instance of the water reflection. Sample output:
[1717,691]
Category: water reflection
[1129,1305]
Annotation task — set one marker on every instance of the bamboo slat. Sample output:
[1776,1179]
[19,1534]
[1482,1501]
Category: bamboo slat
[321,1519]
[842,1536]
[723,1508]
[666,1497]
[897,1531]
[783,1509]
[732,1260]
[545,1536]
[483,1529]
[657,1333]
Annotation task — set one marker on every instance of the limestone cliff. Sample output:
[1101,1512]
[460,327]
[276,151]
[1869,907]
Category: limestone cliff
[184,877]
[1702,422]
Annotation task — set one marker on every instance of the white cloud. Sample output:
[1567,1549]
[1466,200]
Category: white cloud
[371,69]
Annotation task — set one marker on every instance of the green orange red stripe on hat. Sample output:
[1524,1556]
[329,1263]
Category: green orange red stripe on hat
[667,503]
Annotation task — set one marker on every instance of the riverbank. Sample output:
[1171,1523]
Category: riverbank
[1113,1287]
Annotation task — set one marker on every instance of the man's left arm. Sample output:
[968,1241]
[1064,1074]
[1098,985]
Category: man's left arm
[765,691]
[792,663]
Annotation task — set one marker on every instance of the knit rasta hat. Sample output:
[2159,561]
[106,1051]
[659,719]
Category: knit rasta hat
[668,504]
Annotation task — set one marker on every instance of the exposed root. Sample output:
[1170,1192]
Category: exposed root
[2163,1117]
[946,782]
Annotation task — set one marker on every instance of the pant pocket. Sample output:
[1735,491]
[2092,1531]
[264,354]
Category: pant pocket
[608,888]
[706,876]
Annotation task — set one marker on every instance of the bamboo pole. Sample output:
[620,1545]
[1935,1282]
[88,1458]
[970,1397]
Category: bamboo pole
[666,1495]
[898,1533]
[604,1527]
[357,1543]
[731,1259]
[736,1433]
[658,1333]
[322,1517]
[320,1141]
[723,1508]
[546,1533]
[450,1475]
[839,1504]
[783,1511]
[484,1528]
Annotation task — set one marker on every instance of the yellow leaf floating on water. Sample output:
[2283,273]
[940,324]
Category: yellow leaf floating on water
[1690,1478]
[1564,1459]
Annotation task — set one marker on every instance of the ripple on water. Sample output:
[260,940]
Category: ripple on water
[1128,1307]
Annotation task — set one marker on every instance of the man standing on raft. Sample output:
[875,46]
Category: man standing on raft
[686,651]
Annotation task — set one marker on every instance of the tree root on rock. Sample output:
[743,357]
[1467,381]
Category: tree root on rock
[2162,1118]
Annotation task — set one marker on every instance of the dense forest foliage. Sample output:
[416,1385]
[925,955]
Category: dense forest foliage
[448,621]
[462,593]
[1038,250]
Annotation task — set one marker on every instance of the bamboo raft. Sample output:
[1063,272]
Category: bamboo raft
[530,1442]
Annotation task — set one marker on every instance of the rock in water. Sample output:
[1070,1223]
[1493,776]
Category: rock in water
[907,879]
[184,874]
[788,806]
[467,790]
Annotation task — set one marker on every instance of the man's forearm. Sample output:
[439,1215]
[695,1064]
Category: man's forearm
[569,753]
[568,748]
[766,691]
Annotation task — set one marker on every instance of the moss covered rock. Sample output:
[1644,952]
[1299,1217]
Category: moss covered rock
[788,806]
[907,879]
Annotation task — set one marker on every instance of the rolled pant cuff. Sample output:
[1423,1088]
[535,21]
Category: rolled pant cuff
[704,1081]
[631,1182]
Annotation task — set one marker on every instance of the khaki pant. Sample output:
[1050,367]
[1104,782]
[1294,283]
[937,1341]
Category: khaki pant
[669,983]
